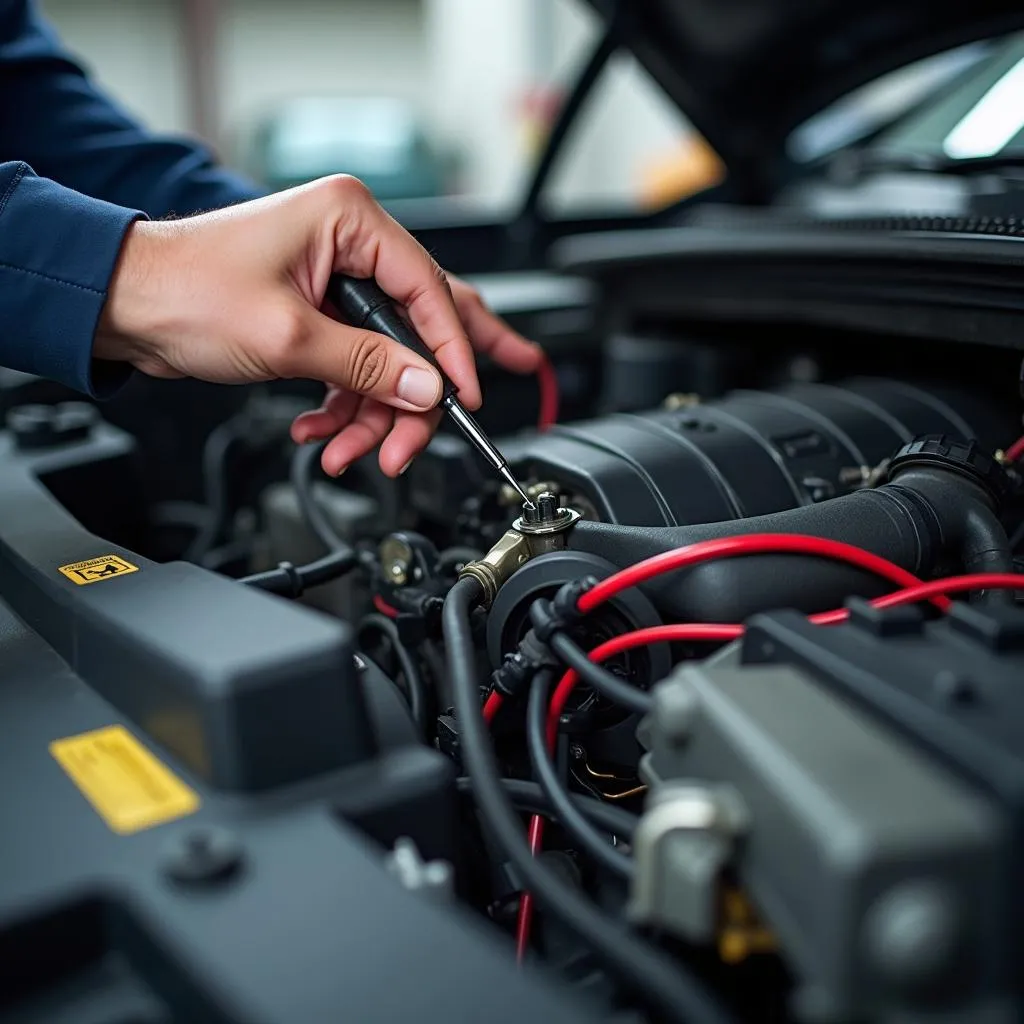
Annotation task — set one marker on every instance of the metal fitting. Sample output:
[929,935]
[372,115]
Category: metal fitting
[681,400]
[683,841]
[396,558]
[537,531]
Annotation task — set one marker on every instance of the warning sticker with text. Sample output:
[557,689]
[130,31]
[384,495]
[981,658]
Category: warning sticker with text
[93,570]
[129,788]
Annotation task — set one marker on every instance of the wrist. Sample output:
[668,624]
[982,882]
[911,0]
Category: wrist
[128,326]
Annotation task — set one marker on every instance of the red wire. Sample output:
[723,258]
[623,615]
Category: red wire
[725,632]
[750,544]
[524,918]
[547,382]
[626,642]
[491,705]
[927,591]
[1015,451]
[384,608]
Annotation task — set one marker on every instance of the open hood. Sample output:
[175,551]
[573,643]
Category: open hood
[747,72]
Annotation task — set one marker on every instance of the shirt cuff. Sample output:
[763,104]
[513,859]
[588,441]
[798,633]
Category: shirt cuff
[58,250]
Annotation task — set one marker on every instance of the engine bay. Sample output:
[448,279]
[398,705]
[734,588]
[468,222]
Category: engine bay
[724,727]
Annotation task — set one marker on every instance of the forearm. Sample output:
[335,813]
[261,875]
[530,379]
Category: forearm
[58,250]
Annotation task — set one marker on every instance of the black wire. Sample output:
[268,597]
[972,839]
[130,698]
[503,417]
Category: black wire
[589,839]
[215,453]
[451,558]
[414,684]
[529,797]
[293,581]
[599,678]
[659,982]
[305,461]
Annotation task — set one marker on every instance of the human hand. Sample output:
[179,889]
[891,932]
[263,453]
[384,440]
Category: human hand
[237,296]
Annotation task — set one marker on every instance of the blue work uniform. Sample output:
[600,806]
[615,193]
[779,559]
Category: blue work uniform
[75,172]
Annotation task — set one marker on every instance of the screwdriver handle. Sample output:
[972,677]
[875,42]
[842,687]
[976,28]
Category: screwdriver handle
[363,304]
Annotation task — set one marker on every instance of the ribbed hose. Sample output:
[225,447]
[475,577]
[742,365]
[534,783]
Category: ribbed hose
[925,516]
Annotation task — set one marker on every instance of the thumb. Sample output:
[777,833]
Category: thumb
[367,363]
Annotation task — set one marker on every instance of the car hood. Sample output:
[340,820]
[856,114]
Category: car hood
[747,72]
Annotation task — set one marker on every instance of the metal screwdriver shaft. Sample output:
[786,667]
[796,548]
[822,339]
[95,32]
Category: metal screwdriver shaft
[362,303]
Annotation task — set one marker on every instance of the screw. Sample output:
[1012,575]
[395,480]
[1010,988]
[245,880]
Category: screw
[954,688]
[203,856]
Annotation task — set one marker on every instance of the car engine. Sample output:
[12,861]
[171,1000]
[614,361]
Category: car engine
[726,726]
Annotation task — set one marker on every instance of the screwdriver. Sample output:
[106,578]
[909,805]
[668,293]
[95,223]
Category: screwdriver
[362,303]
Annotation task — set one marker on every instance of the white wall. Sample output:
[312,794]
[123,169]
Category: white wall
[273,50]
[465,64]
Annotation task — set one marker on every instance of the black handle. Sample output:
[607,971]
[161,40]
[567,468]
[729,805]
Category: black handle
[362,303]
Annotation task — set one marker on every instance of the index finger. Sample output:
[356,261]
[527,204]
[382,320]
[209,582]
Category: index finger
[370,243]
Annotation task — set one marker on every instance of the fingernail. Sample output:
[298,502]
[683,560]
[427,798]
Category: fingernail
[340,471]
[418,387]
[405,467]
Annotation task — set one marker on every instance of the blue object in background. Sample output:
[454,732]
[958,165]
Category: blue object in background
[379,140]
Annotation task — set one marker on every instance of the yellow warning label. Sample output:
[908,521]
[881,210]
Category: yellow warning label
[106,567]
[126,784]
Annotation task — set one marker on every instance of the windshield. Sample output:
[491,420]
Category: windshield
[980,117]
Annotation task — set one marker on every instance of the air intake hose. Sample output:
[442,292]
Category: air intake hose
[938,511]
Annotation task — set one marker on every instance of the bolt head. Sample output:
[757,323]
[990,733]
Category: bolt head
[954,689]
[203,856]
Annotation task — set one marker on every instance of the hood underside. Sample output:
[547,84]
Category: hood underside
[747,72]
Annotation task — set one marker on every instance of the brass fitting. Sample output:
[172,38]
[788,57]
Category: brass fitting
[537,531]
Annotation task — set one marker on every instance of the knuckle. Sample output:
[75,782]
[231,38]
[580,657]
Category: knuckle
[347,187]
[368,361]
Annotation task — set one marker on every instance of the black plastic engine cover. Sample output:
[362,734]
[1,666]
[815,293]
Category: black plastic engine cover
[751,453]
[197,797]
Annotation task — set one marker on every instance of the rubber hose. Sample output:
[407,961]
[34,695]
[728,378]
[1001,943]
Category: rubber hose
[589,839]
[654,979]
[925,516]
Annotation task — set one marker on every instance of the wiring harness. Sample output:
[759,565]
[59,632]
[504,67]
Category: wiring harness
[529,670]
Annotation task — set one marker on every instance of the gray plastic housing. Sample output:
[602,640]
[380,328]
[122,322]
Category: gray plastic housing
[248,690]
[876,868]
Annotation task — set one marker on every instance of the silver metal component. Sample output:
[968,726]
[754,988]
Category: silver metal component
[433,878]
[509,497]
[684,839]
[494,569]
[858,477]
[482,443]
[512,482]
[395,560]
[545,517]
[681,400]
[540,529]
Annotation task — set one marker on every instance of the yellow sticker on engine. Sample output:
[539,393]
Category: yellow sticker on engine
[93,570]
[129,788]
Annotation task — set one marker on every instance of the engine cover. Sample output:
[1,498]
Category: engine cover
[751,453]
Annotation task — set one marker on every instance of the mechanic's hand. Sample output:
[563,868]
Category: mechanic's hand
[237,296]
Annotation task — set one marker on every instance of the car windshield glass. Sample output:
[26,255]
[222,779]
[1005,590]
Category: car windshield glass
[980,118]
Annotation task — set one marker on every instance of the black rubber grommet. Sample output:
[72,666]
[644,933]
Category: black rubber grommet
[509,617]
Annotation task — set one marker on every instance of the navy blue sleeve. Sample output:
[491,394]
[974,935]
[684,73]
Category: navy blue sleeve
[60,238]
[55,119]
[58,249]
